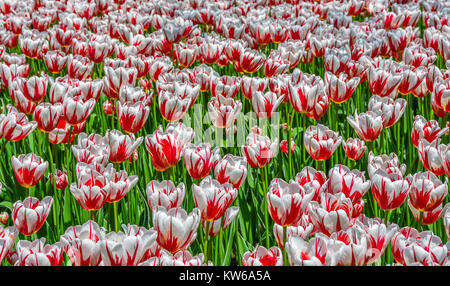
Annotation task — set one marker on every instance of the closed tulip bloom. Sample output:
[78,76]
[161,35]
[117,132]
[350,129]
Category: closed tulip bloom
[59,179]
[165,147]
[47,116]
[91,88]
[379,234]
[287,201]
[428,130]
[251,60]
[213,198]
[176,230]
[367,125]
[411,79]
[223,111]
[173,106]
[275,65]
[132,116]
[391,111]
[429,155]
[351,246]
[321,142]
[199,159]
[341,88]
[251,85]
[426,249]
[7,240]
[284,146]
[91,149]
[79,67]
[390,190]
[303,96]
[28,169]
[221,223]
[55,61]
[81,244]
[76,109]
[29,216]
[354,148]
[263,257]
[15,125]
[227,86]
[121,146]
[232,169]
[115,78]
[165,194]
[332,214]
[128,247]
[120,185]
[292,230]
[426,217]
[427,191]
[311,178]
[265,104]
[259,150]
[91,191]
[308,253]
[404,237]
[352,183]
[34,88]
[37,253]
[186,55]
[441,94]
[382,82]
[390,164]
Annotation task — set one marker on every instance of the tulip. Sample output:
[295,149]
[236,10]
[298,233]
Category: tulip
[176,230]
[15,125]
[411,80]
[232,169]
[308,253]
[186,55]
[293,230]
[181,258]
[332,214]
[213,198]
[321,142]
[92,190]
[390,190]
[60,181]
[287,201]
[34,88]
[383,83]
[250,60]
[199,159]
[121,146]
[275,65]
[427,191]
[303,96]
[165,147]
[263,257]
[173,106]
[429,155]
[165,194]
[380,234]
[120,185]
[223,111]
[428,130]
[341,88]
[47,116]
[81,244]
[37,253]
[284,146]
[55,61]
[91,149]
[126,248]
[29,216]
[309,178]
[391,111]
[251,85]
[115,78]
[390,164]
[79,67]
[352,183]
[90,88]
[221,223]
[77,110]
[132,116]
[426,217]
[368,125]
[404,237]
[7,240]
[265,104]
[259,150]
[28,169]
[354,148]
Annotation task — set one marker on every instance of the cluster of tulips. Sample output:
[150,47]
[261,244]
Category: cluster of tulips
[106,157]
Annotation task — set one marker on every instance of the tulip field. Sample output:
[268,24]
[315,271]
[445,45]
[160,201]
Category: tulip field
[224,133]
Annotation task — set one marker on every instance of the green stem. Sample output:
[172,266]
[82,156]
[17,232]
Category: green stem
[285,258]
[205,247]
[116,223]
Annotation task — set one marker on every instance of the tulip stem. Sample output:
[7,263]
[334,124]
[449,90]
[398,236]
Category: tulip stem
[205,247]
[266,211]
[116,224]
[285,258]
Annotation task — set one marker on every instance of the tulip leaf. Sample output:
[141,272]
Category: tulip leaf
[6,204]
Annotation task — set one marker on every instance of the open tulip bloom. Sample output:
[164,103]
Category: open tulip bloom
[147,133]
